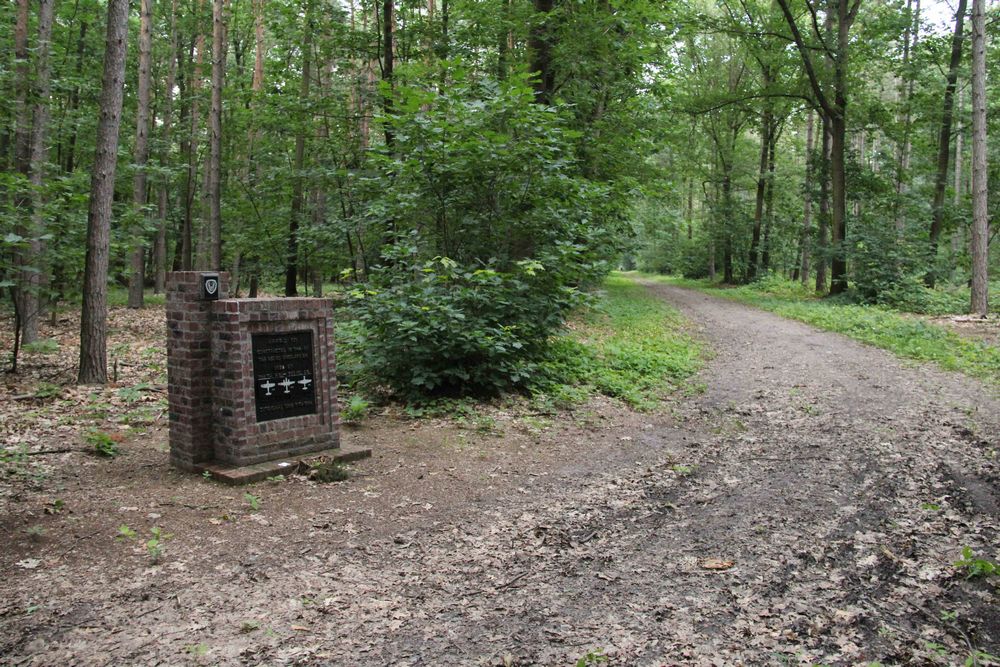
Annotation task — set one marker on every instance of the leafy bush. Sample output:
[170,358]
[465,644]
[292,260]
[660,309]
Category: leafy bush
[435,327]
[495,234]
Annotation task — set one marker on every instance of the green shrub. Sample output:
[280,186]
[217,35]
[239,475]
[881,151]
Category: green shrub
[103,444]
[42,346]
[494,235]
[355,410]
[437,328]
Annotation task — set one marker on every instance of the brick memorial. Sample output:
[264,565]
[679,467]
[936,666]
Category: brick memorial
[252,382]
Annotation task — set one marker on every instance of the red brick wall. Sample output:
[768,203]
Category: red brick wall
[239,439]
[189,368]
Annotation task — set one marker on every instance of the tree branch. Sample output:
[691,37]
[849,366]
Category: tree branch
[806,60]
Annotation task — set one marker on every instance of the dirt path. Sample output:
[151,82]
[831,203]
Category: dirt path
[840,484]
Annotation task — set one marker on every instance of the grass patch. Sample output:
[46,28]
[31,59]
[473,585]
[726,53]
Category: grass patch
[631,346]
[904,335]
[118,297]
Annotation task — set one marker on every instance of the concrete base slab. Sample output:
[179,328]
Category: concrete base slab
[261,471]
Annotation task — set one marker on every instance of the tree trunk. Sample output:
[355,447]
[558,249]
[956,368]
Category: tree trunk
[137,276]
[906,95]
[31,220]
[258,59]
[822,258]
[540,46]
[160,250]
[94,325]
[74,99]
[753,261]
[944,142]
[190,185]
[807,205]
[980,215]
[838,205]
[25,295]
[215,124]
[835,112]
[22,87]
[958,242]
[765,261]
[728,276]
[292,256]
[388,64]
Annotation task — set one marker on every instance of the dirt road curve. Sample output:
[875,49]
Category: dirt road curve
[806,508]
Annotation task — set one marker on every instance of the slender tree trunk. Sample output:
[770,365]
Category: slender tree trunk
[980,215]
[906,96]
[258,59]
[93,325]
[753,261]
[137,276]
[190,187]
[689,218]
[822,233]
[388,65]
[30,215]
[160,250]
[540,45]
[74,99]
[838,205]
[944,142]
[292,256]
[958,235]
[215,125]
[842,16]
[22,86]
[765,262]
[807,205]
[727,247]
[25,296]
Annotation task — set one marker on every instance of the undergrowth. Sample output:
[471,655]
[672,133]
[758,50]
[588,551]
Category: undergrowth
[904,335]
[630,346]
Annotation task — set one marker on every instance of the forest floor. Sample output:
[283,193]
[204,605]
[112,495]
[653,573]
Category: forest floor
[808,507]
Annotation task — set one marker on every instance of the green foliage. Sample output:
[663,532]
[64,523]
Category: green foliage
[906,336]
[103,443]
[154,545]
[633,348]
[129,394]
[252,500]
[446,329]
[976,567]
[329,472]
[504,234]
[42,346]
[47,390]
[592,658]
[125,533]
[355,410]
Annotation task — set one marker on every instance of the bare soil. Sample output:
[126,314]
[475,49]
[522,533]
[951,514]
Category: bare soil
[986,330]
[807,507]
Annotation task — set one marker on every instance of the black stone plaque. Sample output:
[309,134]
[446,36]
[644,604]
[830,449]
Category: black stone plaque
[210,286]
[283,374]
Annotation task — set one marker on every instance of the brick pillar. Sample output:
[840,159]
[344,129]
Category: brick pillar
[189,364]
